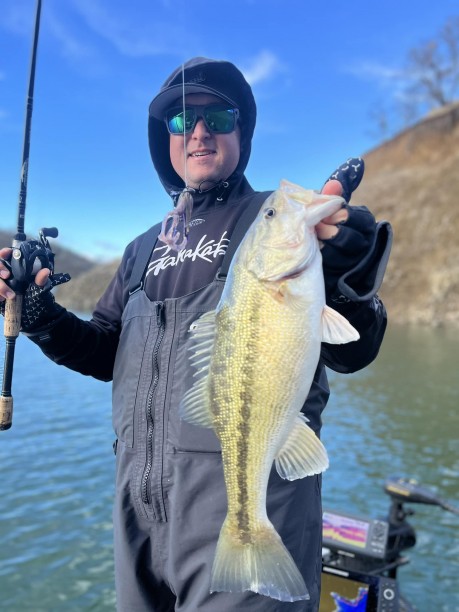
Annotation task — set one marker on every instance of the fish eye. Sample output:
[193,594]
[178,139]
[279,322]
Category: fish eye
[269,212]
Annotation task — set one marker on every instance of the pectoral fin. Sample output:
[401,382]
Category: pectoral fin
[336,329]
[303,454]
[195,407]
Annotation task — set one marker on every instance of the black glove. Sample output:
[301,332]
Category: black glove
[354,261]
[349,175]
[39,306]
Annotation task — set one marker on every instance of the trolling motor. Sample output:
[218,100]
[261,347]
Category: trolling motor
[28,256]
[401,534]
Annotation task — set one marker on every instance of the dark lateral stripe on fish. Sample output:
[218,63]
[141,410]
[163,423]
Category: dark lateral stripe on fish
[243,441]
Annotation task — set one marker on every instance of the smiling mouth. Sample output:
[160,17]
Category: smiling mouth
[198,154]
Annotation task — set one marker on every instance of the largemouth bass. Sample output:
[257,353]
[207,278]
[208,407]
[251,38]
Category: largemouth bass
[255,357]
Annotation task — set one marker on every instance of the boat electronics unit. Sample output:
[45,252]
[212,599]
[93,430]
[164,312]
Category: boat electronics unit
[352,534]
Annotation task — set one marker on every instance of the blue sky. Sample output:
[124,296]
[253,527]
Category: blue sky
[317,70]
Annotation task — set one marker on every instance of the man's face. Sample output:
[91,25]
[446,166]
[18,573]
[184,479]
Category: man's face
[208,156]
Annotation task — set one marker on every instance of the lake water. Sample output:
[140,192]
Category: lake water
[397,417]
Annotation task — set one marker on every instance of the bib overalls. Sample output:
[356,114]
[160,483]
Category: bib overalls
[170,492]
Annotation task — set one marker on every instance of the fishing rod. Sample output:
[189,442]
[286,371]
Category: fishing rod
[28,256]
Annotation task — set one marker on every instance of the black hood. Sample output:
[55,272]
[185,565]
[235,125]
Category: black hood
[201,75]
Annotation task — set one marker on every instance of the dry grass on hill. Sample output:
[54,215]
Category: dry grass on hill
[413,182]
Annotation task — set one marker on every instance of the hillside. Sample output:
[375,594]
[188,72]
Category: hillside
[82,293]
[413,181]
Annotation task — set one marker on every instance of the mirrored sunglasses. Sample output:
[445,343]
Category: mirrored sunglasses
[219,118]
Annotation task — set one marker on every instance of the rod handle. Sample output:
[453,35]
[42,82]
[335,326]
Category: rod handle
[12,326]
[13,310]
[6,412]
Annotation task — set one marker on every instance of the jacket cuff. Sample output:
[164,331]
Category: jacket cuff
[362,282]
[43,333]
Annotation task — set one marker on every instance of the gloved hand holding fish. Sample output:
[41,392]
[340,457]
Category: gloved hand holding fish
[255,358]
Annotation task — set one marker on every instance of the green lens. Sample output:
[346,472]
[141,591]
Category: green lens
[220,121]
[179,121]
[218,118]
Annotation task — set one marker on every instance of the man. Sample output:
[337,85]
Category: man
[170,496]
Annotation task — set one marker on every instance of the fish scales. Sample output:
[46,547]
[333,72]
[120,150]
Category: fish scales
[254,378]
[243,424]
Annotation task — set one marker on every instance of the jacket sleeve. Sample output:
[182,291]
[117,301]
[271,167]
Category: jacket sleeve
[354,262]
[89,347]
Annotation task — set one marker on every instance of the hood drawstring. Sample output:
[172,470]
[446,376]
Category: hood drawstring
[222,190]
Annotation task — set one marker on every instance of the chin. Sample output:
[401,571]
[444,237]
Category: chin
[196,181]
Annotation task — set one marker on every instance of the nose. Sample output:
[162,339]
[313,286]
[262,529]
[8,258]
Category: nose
[200,129]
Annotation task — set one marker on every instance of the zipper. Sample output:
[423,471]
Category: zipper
[146,477]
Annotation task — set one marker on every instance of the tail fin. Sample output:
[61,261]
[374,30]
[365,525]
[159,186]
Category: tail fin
[263,566]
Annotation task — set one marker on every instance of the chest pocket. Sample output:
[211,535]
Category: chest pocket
[133,368]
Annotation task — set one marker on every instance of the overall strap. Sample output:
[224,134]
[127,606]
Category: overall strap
[143,257]
[245,221]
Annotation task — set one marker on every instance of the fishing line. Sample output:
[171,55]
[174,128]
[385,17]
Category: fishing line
[184,134]
[176,224]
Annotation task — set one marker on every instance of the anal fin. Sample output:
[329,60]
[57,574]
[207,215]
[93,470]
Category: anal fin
[302,454]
